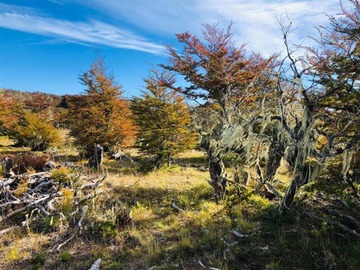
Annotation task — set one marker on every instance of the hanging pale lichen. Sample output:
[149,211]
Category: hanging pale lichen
[346,163]
[232,136]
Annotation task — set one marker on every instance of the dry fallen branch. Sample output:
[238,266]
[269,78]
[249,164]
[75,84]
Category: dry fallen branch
[175,207]
[96,265]
[238,235]
[28,198]
[334,223]
[9,229]
[93,185]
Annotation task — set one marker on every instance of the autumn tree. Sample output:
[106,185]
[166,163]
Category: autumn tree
[163,119]
[234,81]
[35,132]
[27,128]
[10,112]
[100,115]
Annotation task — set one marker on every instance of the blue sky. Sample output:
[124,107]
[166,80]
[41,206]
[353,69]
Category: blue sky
[46,44]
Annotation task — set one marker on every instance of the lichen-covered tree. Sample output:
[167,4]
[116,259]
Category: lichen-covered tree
[100,115]
[234,81]
[325,84]
[163,119]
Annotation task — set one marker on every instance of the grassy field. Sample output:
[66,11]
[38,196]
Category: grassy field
[168,219]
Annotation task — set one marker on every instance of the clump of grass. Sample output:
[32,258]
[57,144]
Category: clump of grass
[66,204]
[65,256]
[114,266]
[13,254]
[151,249]
[38,261]
[63,175]
[21,188]
[274,265]
[104,229]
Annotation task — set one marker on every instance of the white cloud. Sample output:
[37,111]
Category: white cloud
[92,32]
[254,21]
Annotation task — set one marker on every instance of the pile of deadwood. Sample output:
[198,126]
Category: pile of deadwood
[26,198]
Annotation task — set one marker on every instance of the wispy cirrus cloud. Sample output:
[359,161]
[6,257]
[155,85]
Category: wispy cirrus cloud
[90,32]
[255,22]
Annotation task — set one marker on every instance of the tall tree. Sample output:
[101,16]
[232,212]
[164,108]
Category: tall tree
[101,115]
[163,119]
[233,80]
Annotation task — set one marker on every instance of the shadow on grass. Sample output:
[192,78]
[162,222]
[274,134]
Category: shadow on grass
[163,236]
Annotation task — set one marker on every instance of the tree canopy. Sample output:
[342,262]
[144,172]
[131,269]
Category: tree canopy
[163,119]
[100,115]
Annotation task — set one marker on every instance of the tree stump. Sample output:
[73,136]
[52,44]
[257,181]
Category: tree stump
[7,165]
[97,159]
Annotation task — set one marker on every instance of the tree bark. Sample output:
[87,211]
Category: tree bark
[276,152]
[288,199]
[217,179]
[97,159]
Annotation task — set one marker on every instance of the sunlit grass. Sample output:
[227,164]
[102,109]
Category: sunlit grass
[132,224]
[5,141]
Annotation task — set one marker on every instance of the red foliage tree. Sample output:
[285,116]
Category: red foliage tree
[218,71]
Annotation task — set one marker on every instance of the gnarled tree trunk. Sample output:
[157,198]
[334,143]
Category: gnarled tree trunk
[276,152]
[217,170]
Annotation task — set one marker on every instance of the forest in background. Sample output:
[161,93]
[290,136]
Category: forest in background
[260,171]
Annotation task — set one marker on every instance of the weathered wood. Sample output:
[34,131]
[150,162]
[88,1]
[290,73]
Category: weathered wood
[8,164]
[93,185]
[84,210]
[97,159]
[9,229]
[96,265]
[120,154]
[39,197]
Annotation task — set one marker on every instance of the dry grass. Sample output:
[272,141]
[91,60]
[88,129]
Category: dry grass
[16,247]
[131,224]
[5,141]
[179,179]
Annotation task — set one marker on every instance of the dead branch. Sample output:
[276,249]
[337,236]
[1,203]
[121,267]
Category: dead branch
[270,188]
[66,241]
[238,235]
[93,185]
[175,207]
[39,196]
[78,229]
[334,223]
[9,229]
[351,219]
[96,265]
[34,204]
[84,210]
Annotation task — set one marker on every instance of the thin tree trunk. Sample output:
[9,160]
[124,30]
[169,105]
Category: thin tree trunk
[217,179]
[276,152]
[290,194]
